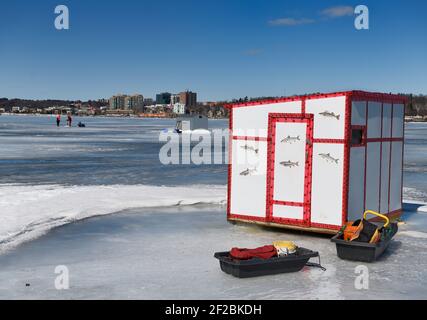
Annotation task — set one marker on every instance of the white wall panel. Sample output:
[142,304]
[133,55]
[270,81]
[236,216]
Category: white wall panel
[385,161]
[248,192]
[386,120]
[289,179]
[373,176]
[374,120]
[327,184]
[288,212]
[358,113]
[396,176]
[356,190]
[255,119]
[398,111]
[328,126]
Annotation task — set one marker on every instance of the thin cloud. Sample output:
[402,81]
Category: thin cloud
[338,11]
[290,22]
[329,13]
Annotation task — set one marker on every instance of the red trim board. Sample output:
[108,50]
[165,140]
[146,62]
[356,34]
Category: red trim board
[346,167]
[288,203]
[249,138]
[366,158]
[230,158]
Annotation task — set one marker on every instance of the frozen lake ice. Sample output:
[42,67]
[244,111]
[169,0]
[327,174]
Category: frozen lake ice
[97,201]
[167,253]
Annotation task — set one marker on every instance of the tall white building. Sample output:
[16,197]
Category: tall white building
[179,108]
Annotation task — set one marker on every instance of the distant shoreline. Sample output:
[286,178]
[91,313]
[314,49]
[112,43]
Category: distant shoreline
[416,120]
[92,116]
[408,119]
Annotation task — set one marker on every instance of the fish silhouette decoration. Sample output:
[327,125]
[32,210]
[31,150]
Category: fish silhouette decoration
[289,164]
[329,114]
[291,139]
[247,172]
[328,157]
[246,147]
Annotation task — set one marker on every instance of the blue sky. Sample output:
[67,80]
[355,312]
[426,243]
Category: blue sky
[221,49]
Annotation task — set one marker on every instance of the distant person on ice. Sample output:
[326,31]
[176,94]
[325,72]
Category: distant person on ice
[58,120]
[69,120]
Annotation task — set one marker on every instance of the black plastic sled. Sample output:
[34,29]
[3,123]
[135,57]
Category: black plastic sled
[260,267]
[361,251]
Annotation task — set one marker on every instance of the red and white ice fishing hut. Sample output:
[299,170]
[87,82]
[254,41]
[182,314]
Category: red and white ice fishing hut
[314,162]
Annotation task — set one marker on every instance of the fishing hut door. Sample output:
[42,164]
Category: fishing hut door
[289,169]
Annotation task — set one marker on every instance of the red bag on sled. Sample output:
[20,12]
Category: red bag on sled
[265,252]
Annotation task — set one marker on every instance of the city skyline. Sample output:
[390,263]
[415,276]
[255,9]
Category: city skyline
[220,49]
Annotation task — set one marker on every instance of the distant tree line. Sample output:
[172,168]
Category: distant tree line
[216,110]
[7,104]
[417,105]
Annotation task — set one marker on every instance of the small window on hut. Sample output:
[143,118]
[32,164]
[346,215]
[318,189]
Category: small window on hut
[357,136]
